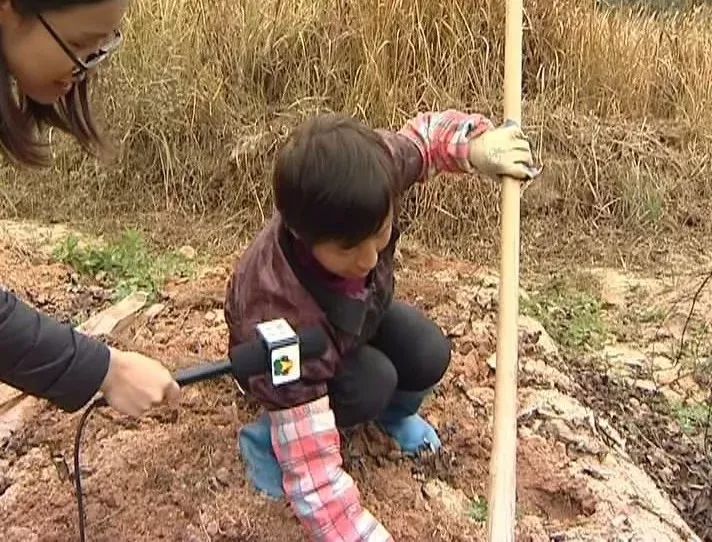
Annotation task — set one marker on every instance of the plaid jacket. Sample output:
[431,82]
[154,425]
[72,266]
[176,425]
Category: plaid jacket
[269,283]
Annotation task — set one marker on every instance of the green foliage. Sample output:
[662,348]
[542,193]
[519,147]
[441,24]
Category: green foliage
[478,509]
[571,312]
[127,264]
[693,417]
[650,315]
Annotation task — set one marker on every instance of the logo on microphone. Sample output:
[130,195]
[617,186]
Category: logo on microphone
[283,347]
[283,366]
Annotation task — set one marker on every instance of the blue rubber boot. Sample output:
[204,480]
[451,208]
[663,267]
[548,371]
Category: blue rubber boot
[261,464]
[402,422]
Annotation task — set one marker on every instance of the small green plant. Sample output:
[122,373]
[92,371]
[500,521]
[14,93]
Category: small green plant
[651,315]
[570,311]
[633,320]
[692,417]
[695,352]
[126,264]
[478,509]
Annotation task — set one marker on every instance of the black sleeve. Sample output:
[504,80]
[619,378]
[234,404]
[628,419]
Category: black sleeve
[44,358]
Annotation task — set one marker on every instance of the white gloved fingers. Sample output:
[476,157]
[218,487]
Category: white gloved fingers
[518,134]
[520,139]
[505,150]
[532,172]
[519,171]
[510,133]
[519,163]
[522,144]
[512,144]
[519,148]
[522,156]
[503,163]
[513,129]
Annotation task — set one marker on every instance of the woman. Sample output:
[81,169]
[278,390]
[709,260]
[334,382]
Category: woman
[47,50]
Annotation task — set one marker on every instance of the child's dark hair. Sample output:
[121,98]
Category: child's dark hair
[334,180]
[21,118]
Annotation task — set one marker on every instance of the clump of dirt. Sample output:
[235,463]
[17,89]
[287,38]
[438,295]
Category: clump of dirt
[176,475]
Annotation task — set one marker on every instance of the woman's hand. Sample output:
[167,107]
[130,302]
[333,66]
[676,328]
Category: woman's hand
[135,383]
[504,150]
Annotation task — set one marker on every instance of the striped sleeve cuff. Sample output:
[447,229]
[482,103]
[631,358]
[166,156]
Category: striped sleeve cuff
[323,496]
[306,410]
[443,139]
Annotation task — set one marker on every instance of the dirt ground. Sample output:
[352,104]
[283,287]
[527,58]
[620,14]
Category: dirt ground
[176,474]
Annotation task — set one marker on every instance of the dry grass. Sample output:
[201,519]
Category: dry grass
[619,104]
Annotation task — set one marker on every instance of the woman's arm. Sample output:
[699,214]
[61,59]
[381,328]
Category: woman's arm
[44,358]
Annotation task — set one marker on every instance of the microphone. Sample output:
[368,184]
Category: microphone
[246,360]
[252,358]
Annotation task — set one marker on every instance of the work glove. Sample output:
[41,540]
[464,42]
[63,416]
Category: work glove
[504,150]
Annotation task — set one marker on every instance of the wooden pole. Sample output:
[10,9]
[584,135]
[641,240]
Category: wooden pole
[503,463]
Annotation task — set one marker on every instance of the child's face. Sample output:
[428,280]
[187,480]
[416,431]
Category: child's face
[358,261]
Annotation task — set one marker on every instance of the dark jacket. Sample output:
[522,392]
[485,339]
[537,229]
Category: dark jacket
[268,282]
[44,358]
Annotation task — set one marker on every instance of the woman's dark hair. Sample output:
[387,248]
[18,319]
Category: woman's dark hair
[22,119]
[334,180]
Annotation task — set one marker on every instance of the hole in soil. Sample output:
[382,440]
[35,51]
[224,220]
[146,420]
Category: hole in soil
[545,490]
[562,505]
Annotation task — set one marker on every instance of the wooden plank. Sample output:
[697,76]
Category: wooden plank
[14,408]
[120,314]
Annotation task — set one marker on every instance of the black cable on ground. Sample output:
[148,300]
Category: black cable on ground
[77,467]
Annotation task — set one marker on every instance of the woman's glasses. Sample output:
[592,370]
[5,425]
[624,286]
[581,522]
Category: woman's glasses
[93,59]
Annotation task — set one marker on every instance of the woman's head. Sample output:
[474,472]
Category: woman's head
[46,49]
[334,185]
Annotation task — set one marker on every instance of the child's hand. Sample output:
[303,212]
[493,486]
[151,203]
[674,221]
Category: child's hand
[503,150]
